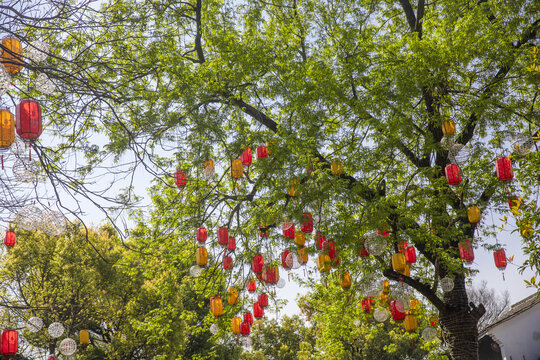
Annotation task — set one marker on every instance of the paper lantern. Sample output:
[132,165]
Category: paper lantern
[28,124]
[366,304]
[67,347]
[201,235]
[307,223]
[84,337]
[410,255]
[286,260]
[410,323]
[248,318]
[406,271]
[453,174]
[466,252]
[10,238]
[397,315]
[398,262]
[363,251]
[216,306]
[223,236]
[324,263]
[236,324]
[7,129]
[55,330]
[236,169]
[320,241]
[429,334]
[303,254]
[246,157]
[257,263]
[37,51]
[209,168]
[263,300]
[231,244]
[11,55]
[9,342]
[270,274]
[473,214]
[34,324]
[227,262]
[244,328]
[345,280]
[232,296]
[251,285]
[201,256]
[500,259]
[288,229]
[261,152]
[337,168]
[258,310]
[300,239]
[380,315]
[448,127]
[330,249]
[446,284]
[294,189]
[503,167]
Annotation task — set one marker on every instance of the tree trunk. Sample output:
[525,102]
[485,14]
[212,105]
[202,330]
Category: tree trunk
[459,321]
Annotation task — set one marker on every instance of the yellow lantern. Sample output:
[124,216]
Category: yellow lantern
[232,297]
[526,229]
[294,190]
[406,271]
[414,304]
[300,239]
[324,263]
[398,262]
[386,287]
[235,324]
[236,169]
[474,214]
[84,337]
[410,323]
[11,55]
[202,256]
[216,306]
[302,252]
[448,127]
[7,128]
[345,280]
[337,168]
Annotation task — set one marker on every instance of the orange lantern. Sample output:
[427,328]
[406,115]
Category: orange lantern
[337,168]
[201,256]
[324,263]
[303,254]
[235,324]
[410,323]
[7,128]
[300,239]
[232,296]
[345,280]
[398,262]
[294,190]
[216,306]
[474,214]
[84,337]
[448,127]
[11,55]
[236,169]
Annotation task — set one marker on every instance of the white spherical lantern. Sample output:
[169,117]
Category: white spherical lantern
[18,147]
[29,218]
[25,170]
[447,284]
[214,329]
[37,51]
[34,324]
[67,347]
[44,84]
[380,315]
[55,330]
[357,322]
[281,283]
[5,80]
[429,334]
[375,244]
[195,271]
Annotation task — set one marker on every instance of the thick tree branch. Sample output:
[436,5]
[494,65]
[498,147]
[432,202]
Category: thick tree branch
[424,289]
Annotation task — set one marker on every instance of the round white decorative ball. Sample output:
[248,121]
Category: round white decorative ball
[67,347]
[5,80]
[34,324]
[29,218]
[380,315]
[55,330]
[375,244]
[214,329]
[281,283]
[18,147]
[37,51]
[447,284]
[195,271]
[357,322]
[429,334]
[44,84]
[25,170]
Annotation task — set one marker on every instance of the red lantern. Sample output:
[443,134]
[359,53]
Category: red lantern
[271,274]
[397,315]
[28,124]
[363,251]
[466,252]
[257,263]
[10,238]
[258,311]
[244,327]
[9,342]
[453,174]
[366,304]
[201,235]
[227,262]
[223,236]
[289,231]
[246,157]
[284,255]
[263,300]
[180,178]
[261,152]
[500,259]
[231,244]
[434,321]
[503,166]
[248,318]
[332,252]
[251,285]
[384,231]
[307,225]
[410,255]
[320,241]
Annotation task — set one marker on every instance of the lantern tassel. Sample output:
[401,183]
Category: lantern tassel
[503,276]
[30,152]
[412,342]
